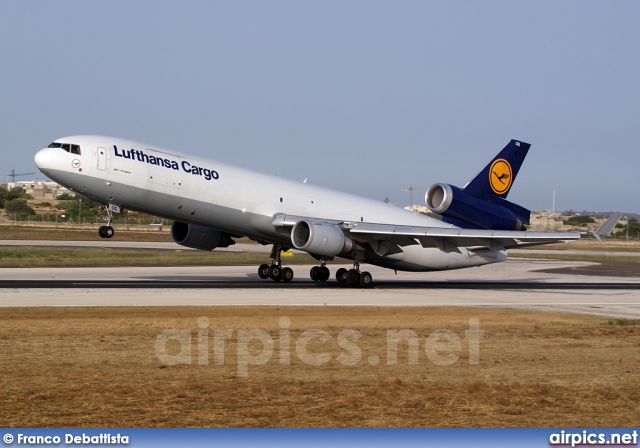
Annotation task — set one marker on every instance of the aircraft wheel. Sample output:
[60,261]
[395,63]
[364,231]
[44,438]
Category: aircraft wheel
[287,275]
[365,279]
[263,271]
[323,273]
[101,231]
[275,273]
[108,232]
[353,276]
[314,273]
[341,275]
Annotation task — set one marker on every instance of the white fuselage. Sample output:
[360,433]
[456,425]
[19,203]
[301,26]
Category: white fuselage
[234,200]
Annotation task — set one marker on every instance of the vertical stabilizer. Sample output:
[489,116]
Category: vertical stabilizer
[496,179]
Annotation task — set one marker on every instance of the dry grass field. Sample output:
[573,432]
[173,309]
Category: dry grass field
[88,367]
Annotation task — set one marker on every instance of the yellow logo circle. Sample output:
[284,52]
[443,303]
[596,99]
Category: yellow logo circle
[500,177]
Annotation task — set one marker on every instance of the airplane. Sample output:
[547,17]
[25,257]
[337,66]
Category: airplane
[212,203]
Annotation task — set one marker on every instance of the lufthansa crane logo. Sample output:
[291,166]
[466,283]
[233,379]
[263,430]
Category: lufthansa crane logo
[500,176]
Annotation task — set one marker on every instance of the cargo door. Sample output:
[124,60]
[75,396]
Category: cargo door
[102,159]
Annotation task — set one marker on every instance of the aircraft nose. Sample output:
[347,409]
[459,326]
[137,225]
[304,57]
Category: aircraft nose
[43,158]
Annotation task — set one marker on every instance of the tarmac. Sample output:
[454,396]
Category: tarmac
[541,285]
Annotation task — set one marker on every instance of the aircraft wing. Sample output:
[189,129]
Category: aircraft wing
[449,239]
[386,239]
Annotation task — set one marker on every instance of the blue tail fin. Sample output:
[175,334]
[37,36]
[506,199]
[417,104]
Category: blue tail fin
[496,179]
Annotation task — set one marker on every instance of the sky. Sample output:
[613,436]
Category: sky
[367,97]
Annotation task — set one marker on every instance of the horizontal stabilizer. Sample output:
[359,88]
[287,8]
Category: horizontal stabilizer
[608,226]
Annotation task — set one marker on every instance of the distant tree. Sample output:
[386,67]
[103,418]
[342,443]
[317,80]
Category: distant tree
[9,195]
[634,229]
[81,209]
[64,197]
[579,220]
[19,209]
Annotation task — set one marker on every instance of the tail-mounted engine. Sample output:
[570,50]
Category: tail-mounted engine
[319,238]
[463,210]
[199,237]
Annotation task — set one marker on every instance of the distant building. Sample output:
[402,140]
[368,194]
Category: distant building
[37,188]
[418,209]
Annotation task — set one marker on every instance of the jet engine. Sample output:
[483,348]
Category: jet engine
[463,210]
[199,237]
[320,238]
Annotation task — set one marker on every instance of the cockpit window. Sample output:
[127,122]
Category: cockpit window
[73,149]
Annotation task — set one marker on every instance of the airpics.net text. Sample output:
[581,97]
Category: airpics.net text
[441,347]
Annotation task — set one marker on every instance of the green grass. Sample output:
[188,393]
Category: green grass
[24,256]
[624,322]
[580,257]
[63,233]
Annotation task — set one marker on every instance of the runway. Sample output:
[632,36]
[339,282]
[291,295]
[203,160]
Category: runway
[230,284]
[521,284]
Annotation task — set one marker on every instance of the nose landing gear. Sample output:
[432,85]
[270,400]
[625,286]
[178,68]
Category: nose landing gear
[107,231]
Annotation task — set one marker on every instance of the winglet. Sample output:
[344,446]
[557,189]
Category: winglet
[606,228]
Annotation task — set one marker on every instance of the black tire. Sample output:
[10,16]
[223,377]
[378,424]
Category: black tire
[365,279]
[275,273]
[108,231]
[341,276]
[353,276]
[101,232]
[263,271]
[287,275]
[323,273]
[313,273]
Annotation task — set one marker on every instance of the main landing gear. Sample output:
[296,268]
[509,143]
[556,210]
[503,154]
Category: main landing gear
[353,277]
[275,271]
[107,231]
[320,273]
